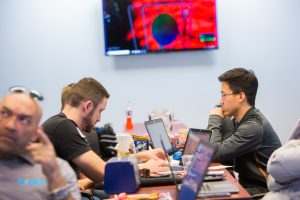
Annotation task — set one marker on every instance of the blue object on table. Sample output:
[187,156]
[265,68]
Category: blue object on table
[177,155]
[121,175]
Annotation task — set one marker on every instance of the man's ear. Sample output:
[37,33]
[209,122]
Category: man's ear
[88,106]
[242,97]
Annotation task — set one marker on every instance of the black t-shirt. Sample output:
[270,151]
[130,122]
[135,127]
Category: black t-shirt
[67,139]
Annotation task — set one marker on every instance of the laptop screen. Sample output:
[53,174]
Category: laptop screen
[197,171]
[157,131]
[193,139]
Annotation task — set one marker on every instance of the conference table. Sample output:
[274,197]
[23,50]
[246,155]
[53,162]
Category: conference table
[242,194]
[139,129]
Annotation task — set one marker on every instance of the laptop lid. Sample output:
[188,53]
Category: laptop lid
[296,131]
[193,138]
[192,184]
[157,131]
[194,178]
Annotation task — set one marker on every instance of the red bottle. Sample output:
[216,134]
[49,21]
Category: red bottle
[129,124]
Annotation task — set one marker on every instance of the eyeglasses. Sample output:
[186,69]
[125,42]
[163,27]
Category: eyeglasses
[33,93]
[224,95]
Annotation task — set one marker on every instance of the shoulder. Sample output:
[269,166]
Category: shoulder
[290,149]
[251,124]
[284,162]
[57,123]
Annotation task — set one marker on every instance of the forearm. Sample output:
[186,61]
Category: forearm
[141,156]
[215,124]
[244,140]
[156,154]
[91,165]
[85,183]
[56,181]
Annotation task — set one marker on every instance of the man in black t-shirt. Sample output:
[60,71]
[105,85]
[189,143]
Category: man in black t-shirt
[81,111]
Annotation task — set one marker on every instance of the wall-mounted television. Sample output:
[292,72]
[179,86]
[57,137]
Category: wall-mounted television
[146,26]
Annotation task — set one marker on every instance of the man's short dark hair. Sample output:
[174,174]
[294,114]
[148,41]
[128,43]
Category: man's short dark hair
[87,89]
[241,80]
[65,94]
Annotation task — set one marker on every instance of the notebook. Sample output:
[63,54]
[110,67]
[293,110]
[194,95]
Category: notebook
[193,181]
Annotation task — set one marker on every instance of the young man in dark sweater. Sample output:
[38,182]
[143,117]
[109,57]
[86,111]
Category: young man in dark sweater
[248,139]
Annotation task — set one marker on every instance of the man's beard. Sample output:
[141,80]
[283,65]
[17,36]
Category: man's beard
[87,122]
[8,151]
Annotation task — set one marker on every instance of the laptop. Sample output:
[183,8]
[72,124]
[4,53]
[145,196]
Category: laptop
[192,184]
[157,131]
[296,131]
[193,138]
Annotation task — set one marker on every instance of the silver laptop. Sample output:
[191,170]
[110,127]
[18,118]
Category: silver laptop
[157,131]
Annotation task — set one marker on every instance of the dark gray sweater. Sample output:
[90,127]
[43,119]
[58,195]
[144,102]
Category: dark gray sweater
[249,144]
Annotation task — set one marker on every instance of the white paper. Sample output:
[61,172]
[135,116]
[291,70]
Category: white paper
[219,167]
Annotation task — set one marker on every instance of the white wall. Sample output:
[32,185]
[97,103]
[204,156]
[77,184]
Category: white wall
[47,44]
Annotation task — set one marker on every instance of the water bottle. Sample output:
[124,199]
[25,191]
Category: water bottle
[129,125]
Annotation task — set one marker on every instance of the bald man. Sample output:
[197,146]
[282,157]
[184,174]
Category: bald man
[28,163]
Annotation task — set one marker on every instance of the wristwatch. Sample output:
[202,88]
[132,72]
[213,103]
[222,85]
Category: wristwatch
[60,193]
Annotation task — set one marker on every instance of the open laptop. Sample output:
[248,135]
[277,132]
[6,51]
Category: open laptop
[295,134]
[157,131]
[193,138]
[193,181]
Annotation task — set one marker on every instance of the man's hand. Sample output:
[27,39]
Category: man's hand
[155,154]
[155,166]
[217,111]
[85,183]
[43,153]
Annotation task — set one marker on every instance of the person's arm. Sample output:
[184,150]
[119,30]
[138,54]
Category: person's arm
[43,152]
[245,139]
[155,166]
[215,124]
[91,165]
[84,183]
[284,163]
[155,154]
[71,146]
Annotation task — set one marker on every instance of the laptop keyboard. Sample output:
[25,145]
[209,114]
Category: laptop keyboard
[206,187]
[177,168]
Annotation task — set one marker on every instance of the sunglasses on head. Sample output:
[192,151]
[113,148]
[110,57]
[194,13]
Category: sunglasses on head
[33,93]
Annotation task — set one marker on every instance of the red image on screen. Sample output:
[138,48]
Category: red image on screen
[162,25]
[143,26]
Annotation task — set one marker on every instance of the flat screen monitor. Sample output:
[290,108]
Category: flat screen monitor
[146,26]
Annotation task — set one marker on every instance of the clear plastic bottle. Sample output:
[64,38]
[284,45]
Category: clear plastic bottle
[129,124]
